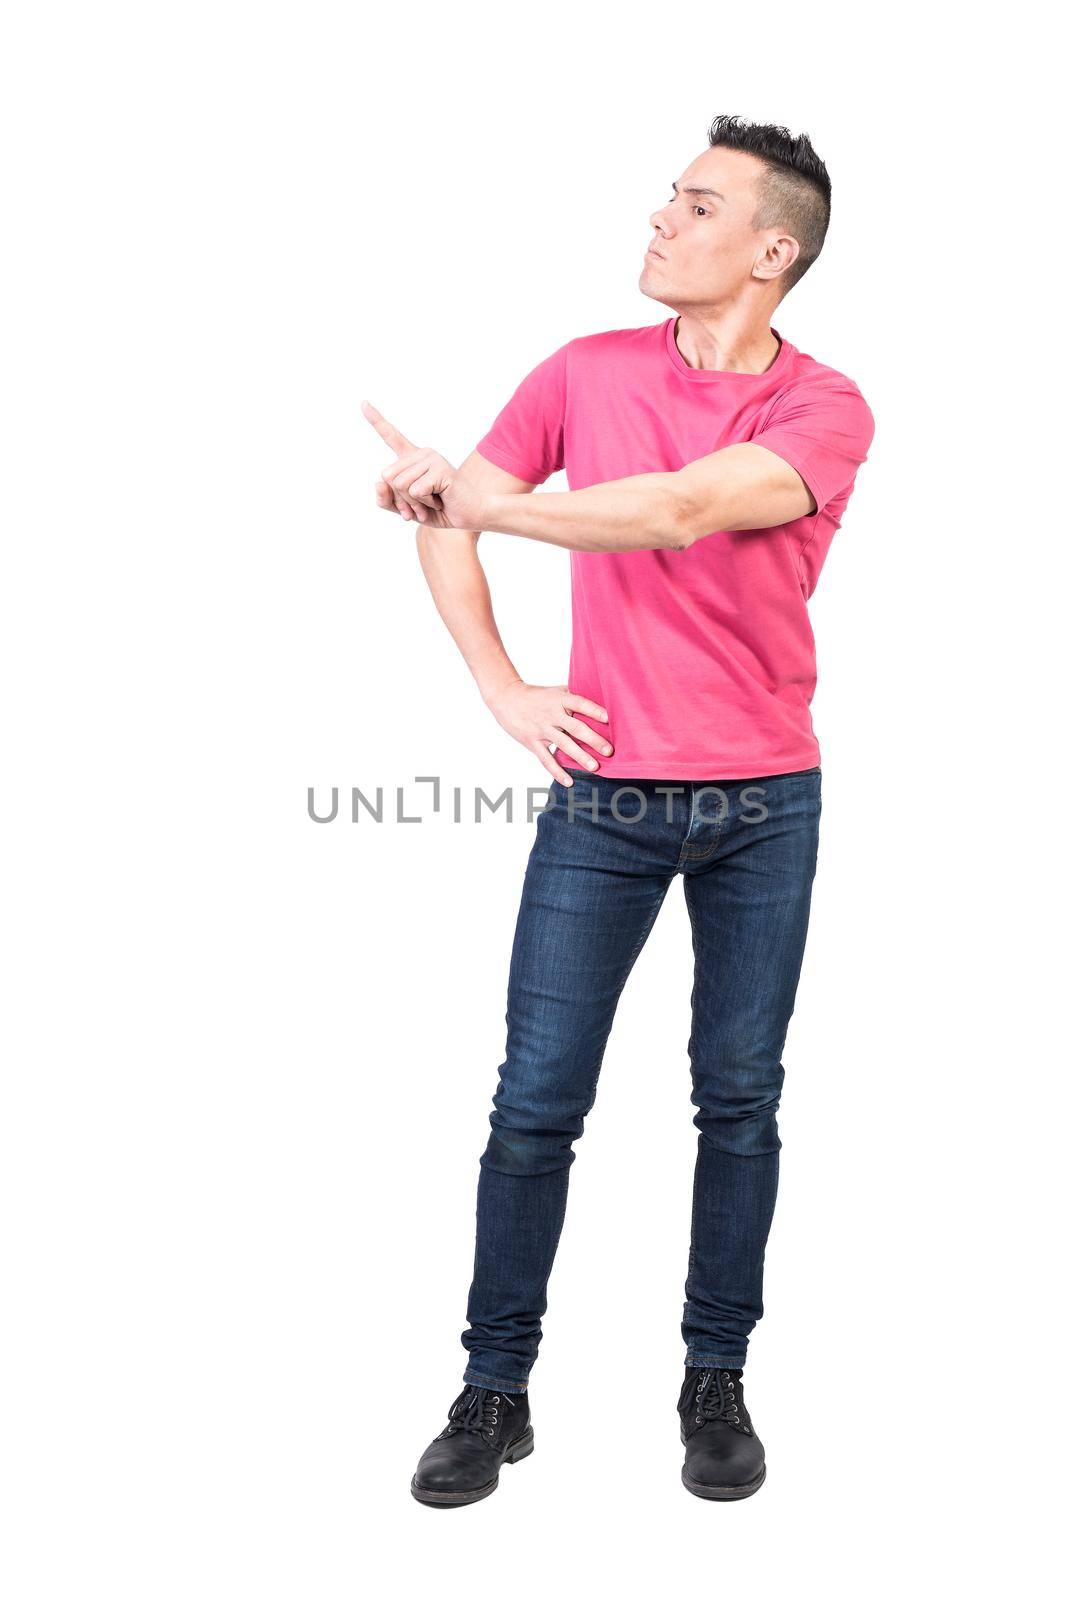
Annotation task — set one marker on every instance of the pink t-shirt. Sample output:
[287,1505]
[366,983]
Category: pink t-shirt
[704,658]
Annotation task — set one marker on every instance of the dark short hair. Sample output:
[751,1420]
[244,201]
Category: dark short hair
[796,190]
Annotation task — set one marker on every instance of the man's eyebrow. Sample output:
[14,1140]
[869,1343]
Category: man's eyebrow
[713,192]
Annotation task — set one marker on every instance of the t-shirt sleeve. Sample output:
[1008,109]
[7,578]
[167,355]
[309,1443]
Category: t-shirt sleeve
[527,438]
[824,432]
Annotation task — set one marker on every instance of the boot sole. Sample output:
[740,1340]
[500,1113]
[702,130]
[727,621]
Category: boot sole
[731,1491]
[465,1497]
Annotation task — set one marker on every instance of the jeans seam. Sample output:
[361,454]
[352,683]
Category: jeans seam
[702,855]
[654,913]
[689,825]
[631,959]
[697,954]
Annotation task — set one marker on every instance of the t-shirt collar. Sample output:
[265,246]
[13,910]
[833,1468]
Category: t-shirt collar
[712,375]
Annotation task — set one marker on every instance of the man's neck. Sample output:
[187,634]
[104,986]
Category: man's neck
[715,340]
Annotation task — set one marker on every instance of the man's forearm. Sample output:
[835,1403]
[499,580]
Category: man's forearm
[461,594]
[645,512]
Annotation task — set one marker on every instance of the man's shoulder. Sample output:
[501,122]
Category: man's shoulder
[806,372]
[610,339]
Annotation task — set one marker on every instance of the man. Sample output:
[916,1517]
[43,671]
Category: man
[709,463]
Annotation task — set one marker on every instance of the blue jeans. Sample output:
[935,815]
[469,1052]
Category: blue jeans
[604,854]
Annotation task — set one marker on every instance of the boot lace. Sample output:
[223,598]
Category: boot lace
[716,1399]
[476,1411]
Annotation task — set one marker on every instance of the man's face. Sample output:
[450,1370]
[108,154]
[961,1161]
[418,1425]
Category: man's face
[707,245]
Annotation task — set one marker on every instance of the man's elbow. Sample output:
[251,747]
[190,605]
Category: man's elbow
[687,518]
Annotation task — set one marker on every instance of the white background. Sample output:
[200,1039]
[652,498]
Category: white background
[251,1058]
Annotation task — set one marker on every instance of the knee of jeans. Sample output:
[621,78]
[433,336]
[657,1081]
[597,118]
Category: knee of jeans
[754,1133]
[530,1152]
[737,1112]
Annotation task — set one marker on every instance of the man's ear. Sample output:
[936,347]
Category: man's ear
[777,257]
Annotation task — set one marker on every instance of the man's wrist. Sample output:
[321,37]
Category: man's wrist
[492,688]
[490,508]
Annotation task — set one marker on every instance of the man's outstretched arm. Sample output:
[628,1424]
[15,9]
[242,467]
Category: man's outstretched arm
[741,486]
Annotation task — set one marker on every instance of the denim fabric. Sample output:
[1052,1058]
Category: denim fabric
[604,855]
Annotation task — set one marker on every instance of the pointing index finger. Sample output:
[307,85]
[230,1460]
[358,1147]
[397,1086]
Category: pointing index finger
[385,430]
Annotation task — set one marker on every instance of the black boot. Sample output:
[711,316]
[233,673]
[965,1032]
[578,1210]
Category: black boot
[485,1427]
[724,1457]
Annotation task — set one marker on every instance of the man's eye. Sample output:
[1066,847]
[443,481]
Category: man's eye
[702,210]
